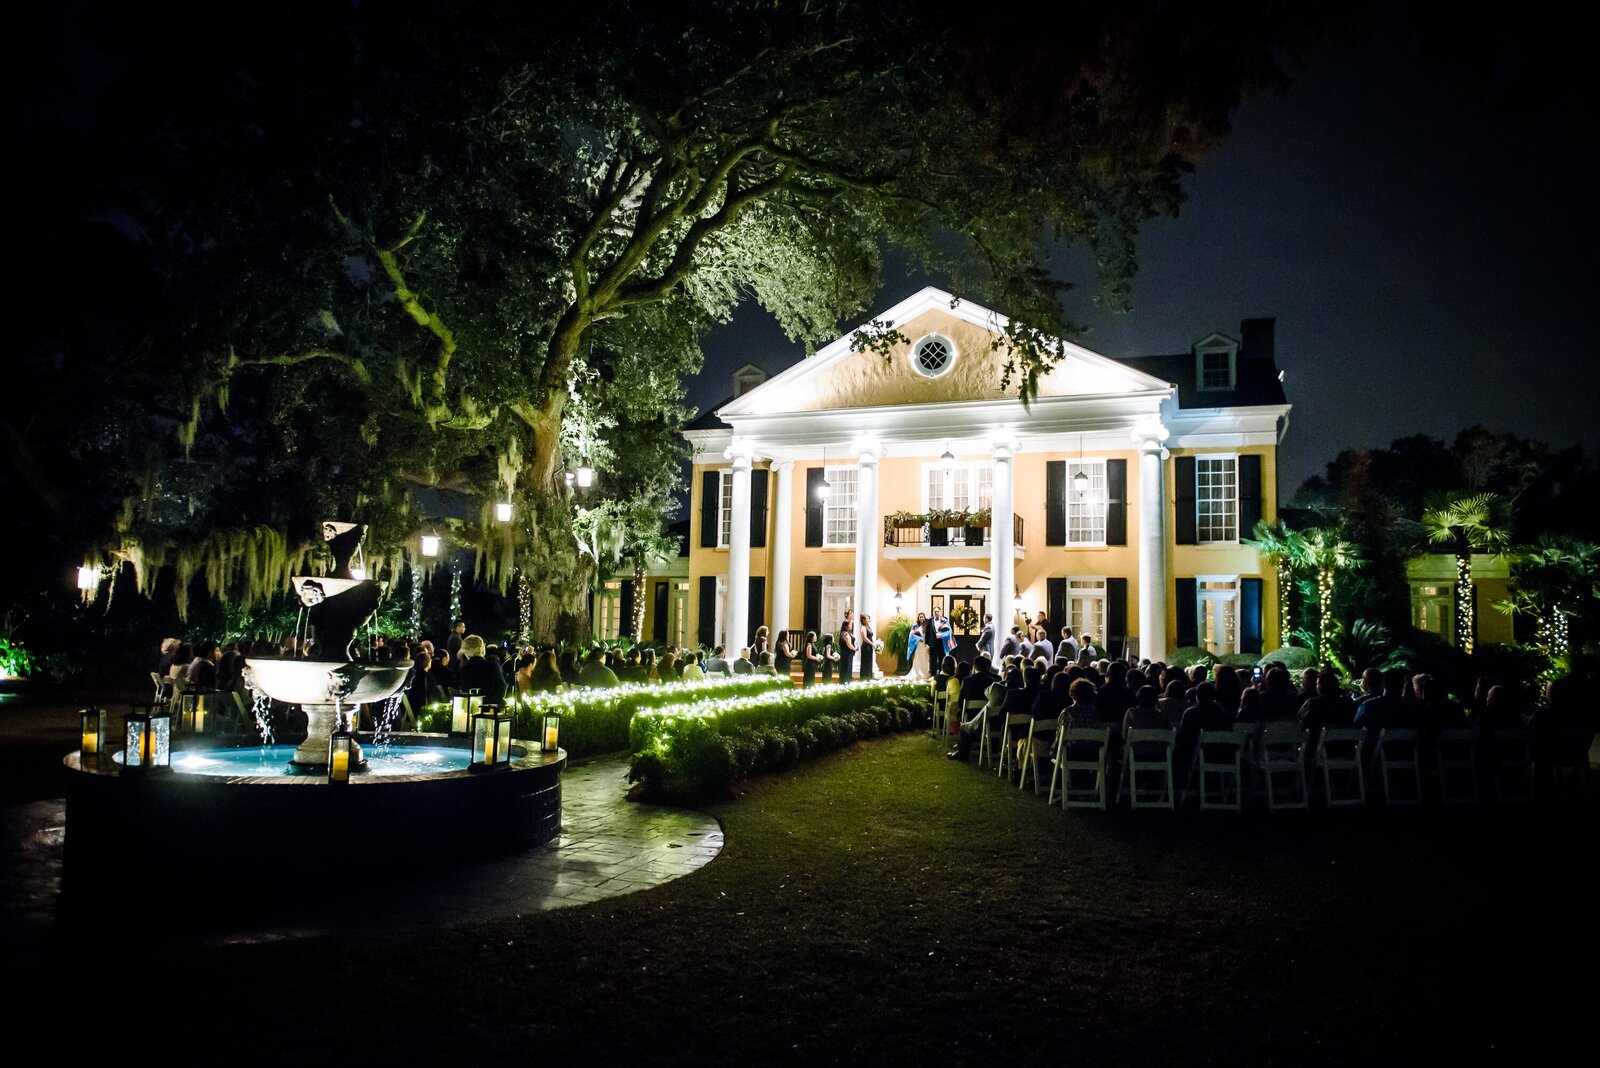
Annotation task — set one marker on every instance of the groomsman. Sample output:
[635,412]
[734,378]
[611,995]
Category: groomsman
[986,637]
[944,639]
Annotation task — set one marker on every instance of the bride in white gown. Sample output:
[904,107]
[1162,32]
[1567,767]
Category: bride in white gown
[919,650]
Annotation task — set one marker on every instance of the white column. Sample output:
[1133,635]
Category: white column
[1153,579]
[869,533]
[782,518]
[1003,512]
[736,619]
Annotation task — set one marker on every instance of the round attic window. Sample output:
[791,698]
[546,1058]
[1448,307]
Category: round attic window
[933,355]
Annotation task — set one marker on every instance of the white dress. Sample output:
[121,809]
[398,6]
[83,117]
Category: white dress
[919,663]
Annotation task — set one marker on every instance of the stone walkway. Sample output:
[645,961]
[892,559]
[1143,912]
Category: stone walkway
[608,846]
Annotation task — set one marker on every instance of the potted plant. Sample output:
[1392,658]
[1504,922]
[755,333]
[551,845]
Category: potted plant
[897,641]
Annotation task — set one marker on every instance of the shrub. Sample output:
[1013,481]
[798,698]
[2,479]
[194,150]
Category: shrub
[1293,658]
[702,750]
[1190,655]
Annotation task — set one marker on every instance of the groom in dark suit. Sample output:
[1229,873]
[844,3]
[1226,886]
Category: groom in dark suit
[986,637]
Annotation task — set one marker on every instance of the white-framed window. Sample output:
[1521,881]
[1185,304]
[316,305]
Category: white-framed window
[933,355]
[724,509]
[678,614]
[839,513]
[1216,363]
[608,610]
[1217,612]
[1086,608]
[1433,609]
[838,594]
[969,487]
[1086,512]
[1216,498]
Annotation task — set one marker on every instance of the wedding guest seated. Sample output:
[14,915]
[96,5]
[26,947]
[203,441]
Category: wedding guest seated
[1278,699]
[742,665]
[1331,707]
[764,665]
[1205,714]
[1176,698]
[981,684]
[692,671]
[546,677]
[1145,713]
[595,674]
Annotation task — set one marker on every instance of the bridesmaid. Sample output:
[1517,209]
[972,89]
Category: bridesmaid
[782,655]
[829,658]
[810,659]
[868,640]
[847,647]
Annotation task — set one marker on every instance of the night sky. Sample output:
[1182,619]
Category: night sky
[1414,221]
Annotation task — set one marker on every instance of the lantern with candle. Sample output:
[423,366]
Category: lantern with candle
[491,740]
[552,732]
[462,708]
[147,739]
[339,745]
[94,731]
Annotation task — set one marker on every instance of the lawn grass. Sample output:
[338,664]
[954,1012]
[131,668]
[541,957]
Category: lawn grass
[884,905]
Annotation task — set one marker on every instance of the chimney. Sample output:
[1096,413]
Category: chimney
[1255,337]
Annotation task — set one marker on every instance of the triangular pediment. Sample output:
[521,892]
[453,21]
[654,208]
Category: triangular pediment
[836,377]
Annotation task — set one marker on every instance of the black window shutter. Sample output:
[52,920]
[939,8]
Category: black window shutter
[1188,614]
[1250,625]
[658,626]
[710,508]
[758,609]
[1249,494]
[1055,605]
[625,610]
[1184,512]
[1055,502]
[1116,502]
[814,477]
[758,510]
[706,632]
[1116,614]
[811,619]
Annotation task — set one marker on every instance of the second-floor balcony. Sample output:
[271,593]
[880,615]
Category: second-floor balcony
[930,536]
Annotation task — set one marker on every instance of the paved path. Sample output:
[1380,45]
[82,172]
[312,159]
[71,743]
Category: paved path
[608,846]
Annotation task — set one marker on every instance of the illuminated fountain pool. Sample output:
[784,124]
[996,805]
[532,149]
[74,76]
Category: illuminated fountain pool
[223,825]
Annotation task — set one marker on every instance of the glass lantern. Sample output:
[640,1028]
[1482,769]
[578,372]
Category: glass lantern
[502,511]
[339,753]
[147,739]
[462,708]
[94,731]
[491,740]
[552,732]
[194,710]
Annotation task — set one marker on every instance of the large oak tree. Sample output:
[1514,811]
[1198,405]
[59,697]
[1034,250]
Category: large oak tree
[335,257]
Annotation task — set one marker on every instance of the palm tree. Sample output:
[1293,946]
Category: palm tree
[1328,553]
[1286,550]
[1555,579]
[1468,523]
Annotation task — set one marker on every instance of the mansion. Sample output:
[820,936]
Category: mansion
[1113,502]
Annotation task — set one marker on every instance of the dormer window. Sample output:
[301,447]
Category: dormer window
[747,378]
[1216,363]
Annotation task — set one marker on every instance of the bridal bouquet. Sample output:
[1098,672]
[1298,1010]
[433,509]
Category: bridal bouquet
[877,645]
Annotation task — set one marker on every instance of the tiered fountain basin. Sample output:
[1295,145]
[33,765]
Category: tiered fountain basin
[228,820]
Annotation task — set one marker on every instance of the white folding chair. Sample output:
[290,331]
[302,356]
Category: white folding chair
[1148,753]
[1039,745]
[1455,752]
[941,711]
[1250,769]
[1513,766]
[1283,766]
[1073,766]
[1218,768]
[1400,765]
[1338,759]
[163,685]
[990,731]
[1012,736]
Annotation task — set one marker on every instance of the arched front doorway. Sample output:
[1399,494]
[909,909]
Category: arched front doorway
[963,596]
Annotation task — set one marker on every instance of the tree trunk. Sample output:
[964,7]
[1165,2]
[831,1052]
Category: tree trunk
[637,623]
[1465,631]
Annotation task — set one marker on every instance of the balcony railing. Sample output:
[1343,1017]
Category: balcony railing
[908,536]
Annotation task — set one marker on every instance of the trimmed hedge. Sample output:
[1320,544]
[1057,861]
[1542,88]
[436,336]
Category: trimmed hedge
[703,750]
[597,721]
[1294,658]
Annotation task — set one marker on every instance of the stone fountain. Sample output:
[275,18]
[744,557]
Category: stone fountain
[331,686]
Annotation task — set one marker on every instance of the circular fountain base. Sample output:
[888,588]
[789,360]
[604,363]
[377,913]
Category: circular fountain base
[190,837]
